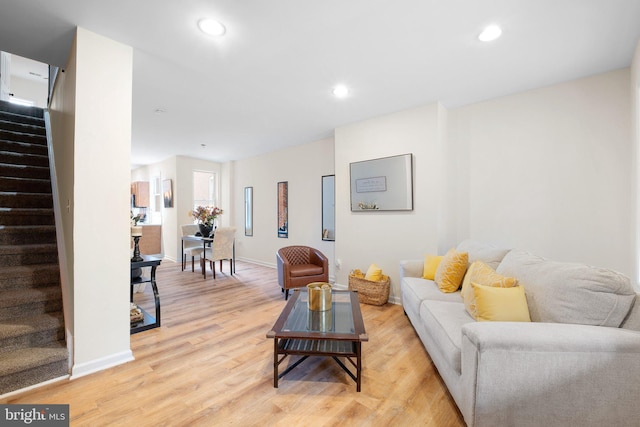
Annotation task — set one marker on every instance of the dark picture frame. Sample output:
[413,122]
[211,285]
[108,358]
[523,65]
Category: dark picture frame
[283,209]
[384,184]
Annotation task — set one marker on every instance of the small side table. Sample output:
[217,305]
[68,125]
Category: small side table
[149,321]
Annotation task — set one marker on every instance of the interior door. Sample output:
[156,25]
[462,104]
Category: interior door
[5,75]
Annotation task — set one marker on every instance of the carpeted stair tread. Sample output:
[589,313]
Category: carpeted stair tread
[23,234]
[27,367]
[33,248]
[10,123]
[33,331]
[18,297]
[25,185]
[28,358]
[37,214]
[10,135]
[23,147]
[22,110]
[14,199]
[28,254]
[24,171]
[24,158]
[29,276]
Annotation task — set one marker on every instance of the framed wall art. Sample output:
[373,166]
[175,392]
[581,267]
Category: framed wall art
[283,209]
[384,184]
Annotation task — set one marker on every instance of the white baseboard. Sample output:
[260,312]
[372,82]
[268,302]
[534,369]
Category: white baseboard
[81,369]
[255,261]
[32,387]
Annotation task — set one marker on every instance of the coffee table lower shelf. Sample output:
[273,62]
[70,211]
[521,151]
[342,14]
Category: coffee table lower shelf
[350,350]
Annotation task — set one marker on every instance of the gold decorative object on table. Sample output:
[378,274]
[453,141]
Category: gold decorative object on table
[319,296]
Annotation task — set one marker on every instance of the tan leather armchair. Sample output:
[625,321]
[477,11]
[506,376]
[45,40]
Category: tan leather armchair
[300,265]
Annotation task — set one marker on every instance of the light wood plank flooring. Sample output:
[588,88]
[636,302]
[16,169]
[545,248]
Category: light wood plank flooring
[211,364]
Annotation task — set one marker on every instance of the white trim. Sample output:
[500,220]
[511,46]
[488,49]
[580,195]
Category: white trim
[33,387]
[82,369]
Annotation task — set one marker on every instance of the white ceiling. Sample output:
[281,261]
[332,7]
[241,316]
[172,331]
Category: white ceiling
[267,84]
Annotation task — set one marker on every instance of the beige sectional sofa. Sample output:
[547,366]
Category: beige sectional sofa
[577,362]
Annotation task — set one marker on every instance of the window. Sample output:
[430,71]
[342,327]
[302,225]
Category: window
[204,189]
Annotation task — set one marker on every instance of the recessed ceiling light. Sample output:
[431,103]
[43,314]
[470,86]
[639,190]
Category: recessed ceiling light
[211,27]
[490,33]
[340,91]
[159,110]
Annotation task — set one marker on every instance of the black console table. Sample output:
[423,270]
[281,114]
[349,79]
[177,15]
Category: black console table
[149,321]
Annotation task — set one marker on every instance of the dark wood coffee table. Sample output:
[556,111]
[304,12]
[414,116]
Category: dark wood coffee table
[338,332]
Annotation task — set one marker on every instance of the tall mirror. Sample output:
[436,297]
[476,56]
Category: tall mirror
[283,209]
[248,211]
[328,207]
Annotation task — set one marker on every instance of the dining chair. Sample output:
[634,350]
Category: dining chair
[221,249]
[193,248]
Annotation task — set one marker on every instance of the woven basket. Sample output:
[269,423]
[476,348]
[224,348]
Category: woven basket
[370,292]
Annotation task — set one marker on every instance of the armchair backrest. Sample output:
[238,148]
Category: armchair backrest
[295,254]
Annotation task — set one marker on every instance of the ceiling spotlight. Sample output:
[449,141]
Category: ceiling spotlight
[340,91]
[211,27]
[490,33]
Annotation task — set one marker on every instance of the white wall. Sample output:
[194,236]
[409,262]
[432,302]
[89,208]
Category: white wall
[548,170]
[91,111]
[635,185]
[386,238]
[30,90]
[303,167]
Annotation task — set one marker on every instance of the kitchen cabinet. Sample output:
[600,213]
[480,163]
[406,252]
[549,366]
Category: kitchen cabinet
[140,194]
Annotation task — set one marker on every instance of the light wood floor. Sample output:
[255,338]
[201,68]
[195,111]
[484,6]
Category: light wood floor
[211,364]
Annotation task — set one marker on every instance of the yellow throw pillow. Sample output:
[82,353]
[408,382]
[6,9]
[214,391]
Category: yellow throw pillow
[374,273]
[482,274]
[451,270]
[431,263]
[501,304]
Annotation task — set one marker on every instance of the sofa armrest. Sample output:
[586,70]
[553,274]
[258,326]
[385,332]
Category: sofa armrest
[549,374]
[411,268]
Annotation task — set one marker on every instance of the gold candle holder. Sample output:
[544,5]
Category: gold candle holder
[319,296]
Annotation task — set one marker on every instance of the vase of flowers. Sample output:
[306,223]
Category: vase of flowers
[205,217]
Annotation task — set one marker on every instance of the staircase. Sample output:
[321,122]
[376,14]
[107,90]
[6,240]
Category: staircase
[32,334]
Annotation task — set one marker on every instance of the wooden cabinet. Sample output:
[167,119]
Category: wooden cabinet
[140,193]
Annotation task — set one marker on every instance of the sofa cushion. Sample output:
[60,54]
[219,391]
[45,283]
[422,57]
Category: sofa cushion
[451,270]
[415,290]
[477,251]
[482,274]
[563,292]
[632,321]
[445,320]
[496,304]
